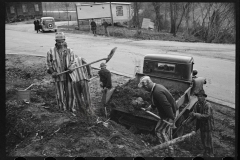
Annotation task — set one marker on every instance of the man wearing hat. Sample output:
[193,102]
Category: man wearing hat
[165,104]
[61,58]
[203,113]
[105,81]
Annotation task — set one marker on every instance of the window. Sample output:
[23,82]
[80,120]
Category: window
[24,7]
[36,7]
[119,10]
[165,67]
[12,9]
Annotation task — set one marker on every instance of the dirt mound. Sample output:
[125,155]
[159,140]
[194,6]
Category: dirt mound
[131,98]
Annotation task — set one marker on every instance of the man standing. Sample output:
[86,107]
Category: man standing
[36,24]
[80,78]
[61,58]
[203,113]
[93,27]
[105,25]
[165,104]
[105,83]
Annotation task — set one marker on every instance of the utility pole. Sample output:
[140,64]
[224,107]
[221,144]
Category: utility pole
[111,12]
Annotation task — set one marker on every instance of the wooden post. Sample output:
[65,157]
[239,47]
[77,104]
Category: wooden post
[166,144]
[77,18]
[111,12]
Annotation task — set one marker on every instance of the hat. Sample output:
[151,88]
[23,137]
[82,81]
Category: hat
[102,65]
[59,36]
[143,79]
[201,92]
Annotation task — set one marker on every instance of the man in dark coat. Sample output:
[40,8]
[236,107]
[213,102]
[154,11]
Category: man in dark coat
[105,25]
[105,83]
[165,104]
[93,27]
[203,113]
[36,25]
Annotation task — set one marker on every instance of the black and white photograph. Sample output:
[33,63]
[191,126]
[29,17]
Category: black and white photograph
[121,79]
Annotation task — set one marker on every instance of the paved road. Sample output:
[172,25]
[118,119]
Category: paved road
[216,62]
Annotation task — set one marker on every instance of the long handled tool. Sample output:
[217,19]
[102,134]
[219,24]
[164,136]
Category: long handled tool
[181,125]
[171,124]
[107,59]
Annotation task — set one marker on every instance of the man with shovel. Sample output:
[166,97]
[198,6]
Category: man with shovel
[61,58]
[166,106]
[105,82]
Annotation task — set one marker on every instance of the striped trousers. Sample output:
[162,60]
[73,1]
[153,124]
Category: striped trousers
[82,95]
[206,138]
[164,132]
[65,94]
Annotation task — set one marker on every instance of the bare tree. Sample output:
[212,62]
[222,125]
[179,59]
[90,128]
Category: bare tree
[136,7]
[173,11]
[157,6]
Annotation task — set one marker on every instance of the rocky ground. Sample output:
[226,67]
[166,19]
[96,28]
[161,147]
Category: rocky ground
[38,128]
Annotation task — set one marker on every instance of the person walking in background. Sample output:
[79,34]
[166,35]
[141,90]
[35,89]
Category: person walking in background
[105,25]
[61,58]
[93,27]
[203,113]
[36,24]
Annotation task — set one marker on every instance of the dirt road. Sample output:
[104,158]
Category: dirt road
[216,62]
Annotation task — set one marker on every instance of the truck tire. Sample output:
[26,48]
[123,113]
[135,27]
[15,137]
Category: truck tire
[181,130]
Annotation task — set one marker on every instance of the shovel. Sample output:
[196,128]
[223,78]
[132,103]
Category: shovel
[107,59]
[154,115]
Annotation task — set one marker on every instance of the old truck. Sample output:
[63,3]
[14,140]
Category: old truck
[172,71]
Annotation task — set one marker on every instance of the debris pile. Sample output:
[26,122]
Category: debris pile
[131,98]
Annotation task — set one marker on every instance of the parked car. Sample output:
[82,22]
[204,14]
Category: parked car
[47,24]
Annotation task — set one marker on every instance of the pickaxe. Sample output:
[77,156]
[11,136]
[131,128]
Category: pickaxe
[107,59]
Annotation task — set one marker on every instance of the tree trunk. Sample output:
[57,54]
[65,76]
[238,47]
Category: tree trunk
[173,18]
[156,6]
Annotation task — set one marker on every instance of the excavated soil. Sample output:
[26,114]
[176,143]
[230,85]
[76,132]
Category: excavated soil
[40,129]
[126,97]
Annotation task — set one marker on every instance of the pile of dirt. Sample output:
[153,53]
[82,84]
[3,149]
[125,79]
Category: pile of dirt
[131,98]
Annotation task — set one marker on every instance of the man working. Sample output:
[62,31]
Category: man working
[105,81]
[165,104]
[105,25]
[93,27]
[61,58]
[80,81]
[203,112]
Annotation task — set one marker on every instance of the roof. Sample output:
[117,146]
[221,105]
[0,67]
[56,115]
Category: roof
[87,4]
[169,58]
[47,18]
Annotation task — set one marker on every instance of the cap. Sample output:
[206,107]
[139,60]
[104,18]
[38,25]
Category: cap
[59,36]
[143,79]
[102,65]
[201,92]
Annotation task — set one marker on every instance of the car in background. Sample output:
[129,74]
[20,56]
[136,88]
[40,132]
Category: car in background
[47,24]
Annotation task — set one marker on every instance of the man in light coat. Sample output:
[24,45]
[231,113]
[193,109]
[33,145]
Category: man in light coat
[61,58]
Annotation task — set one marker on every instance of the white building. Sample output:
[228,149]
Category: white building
[118,11]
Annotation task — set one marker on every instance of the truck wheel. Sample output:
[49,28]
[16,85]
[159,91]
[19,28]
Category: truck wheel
[181,130]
